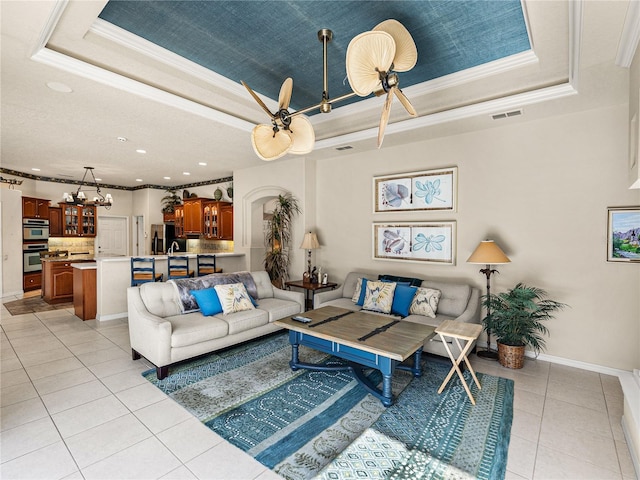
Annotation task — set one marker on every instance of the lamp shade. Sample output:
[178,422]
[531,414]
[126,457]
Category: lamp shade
[488,253]
[310,241]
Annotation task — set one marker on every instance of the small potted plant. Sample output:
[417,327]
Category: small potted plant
[169,202]
[516,318]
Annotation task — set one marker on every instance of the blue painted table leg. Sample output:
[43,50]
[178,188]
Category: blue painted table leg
[416,369]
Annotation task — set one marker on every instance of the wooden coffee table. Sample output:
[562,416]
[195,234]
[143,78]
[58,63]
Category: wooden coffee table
[364,339]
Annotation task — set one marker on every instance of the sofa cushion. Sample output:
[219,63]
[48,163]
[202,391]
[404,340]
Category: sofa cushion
[245,320]
[189,329]
[234,298]
[425,302]
[160,299]
[278,308]
[378,296]
[263,284]
[454,298]
[208,301]
[414,282]
[402,299]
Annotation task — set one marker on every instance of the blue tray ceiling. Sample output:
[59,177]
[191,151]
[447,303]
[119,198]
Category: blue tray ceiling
[263,42]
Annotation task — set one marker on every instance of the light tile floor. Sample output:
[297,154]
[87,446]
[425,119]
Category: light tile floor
[74,405]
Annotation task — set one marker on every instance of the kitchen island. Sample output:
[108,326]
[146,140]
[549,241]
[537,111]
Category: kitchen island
[57,277]
[113,277]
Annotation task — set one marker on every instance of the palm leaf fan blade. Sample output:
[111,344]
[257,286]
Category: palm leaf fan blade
[267,145]
[406,55]
[368,54]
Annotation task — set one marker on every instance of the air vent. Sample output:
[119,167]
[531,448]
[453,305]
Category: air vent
[346,147]
[512,113]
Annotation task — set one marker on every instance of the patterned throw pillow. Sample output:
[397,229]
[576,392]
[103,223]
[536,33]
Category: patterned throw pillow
[358,295]
[233,298]
[425,302]
[378,296]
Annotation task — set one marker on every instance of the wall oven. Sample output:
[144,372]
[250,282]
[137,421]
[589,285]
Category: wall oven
[31,256]
[35,229]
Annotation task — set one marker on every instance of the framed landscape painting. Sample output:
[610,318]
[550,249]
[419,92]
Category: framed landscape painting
[432,242]
[623,234]
[427,190]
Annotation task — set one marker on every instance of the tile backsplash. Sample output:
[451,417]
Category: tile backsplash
[209,246]
[72,245]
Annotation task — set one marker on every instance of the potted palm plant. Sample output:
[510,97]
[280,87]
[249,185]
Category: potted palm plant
[169,202]
[516,319]
[278,238]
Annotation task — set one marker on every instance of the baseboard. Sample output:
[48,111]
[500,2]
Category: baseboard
[113,316]
[18,294]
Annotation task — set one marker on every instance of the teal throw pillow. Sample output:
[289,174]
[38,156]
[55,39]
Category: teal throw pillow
[402,298]
[208,301]
[363,292]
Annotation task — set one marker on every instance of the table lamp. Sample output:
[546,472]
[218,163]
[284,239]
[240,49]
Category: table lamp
[488,253]
[309,242]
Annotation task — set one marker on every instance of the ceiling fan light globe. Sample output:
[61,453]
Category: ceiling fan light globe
[406,55]
[302,134]
[269,146]
[368,54]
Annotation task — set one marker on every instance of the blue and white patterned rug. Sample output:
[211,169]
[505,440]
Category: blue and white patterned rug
[305,425]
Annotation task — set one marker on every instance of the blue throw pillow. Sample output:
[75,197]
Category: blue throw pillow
[363,291]
[402,298]
[208,301]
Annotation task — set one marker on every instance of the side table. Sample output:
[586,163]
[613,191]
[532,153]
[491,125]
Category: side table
[310,289]
[459,331]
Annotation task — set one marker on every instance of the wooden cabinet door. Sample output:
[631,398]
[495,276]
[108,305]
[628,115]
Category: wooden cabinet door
[226,222]
[193,221]
[178,223]
[88,222]
[42,208]
[70,219]
[61,281]
[55,222]
[210,212]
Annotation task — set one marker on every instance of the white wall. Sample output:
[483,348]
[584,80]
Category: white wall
[11,246]
[541,190]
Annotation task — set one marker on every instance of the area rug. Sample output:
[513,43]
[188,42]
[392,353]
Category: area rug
[305,425]
[32,305]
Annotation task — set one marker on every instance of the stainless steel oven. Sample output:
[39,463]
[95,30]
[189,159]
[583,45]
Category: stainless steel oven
[35,229]
[31,256]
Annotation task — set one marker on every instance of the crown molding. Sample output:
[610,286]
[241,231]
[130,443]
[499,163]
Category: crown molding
[630,35]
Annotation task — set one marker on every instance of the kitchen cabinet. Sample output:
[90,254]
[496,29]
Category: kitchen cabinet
[55,222]
[226,222]
[57,277]
[35,207]
[84,290]
[78,221]
[32,281]
[216,220]
[193,216]
[178,221]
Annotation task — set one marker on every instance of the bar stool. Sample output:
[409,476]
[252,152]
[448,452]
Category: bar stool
[144,270]
[179,267]
[207,265]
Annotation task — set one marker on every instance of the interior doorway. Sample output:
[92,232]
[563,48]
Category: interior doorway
[113,236]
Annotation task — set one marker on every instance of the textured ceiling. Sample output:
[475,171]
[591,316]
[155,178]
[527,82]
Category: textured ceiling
[263,42]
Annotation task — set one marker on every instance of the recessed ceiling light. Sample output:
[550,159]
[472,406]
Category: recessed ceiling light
[138,179]
[167,178]
[59,87]
[186,173]
[204,164]
[35,169]
[140,150]
[122,139]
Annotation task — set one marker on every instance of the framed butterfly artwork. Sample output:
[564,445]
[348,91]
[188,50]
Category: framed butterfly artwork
[432,242]
[434,190]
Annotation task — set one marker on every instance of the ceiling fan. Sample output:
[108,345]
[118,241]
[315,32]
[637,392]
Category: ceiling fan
[372,58]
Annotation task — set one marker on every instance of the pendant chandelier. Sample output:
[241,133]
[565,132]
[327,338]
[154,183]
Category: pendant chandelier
[80,198]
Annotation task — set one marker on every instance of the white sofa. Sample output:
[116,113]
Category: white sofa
[459,302]
[161,333]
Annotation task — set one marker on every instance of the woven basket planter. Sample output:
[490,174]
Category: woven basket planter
[510,357]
